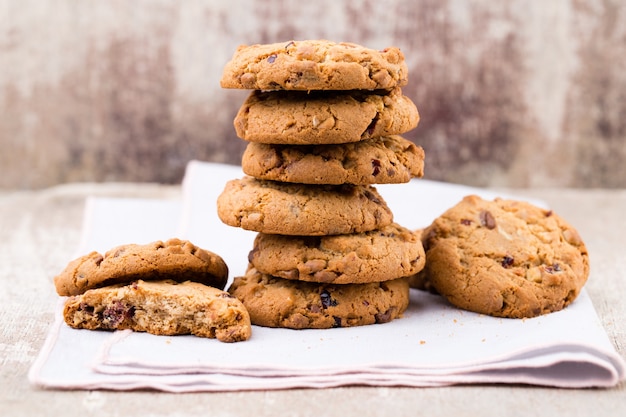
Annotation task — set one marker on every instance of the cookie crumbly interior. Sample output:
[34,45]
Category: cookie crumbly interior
[162,308]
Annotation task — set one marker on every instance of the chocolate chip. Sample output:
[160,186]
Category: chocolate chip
[384,317]
[487,219]
[271,58]
[507,261]
[326,299]
[466,222]
[337,321]
[376,167]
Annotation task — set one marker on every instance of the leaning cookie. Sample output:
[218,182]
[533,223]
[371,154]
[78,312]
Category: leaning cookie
[505,258]
[314,65]
[324,117]
[277,302]
[420,280]
[300,209]
[161,308]
[387,253]
[175,259]
[384,160]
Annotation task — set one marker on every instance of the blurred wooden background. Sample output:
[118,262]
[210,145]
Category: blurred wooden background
[511,93]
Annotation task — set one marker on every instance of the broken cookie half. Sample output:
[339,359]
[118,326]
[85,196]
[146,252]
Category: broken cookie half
[161,307]
[160,288]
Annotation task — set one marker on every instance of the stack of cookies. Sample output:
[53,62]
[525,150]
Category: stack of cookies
[322,123]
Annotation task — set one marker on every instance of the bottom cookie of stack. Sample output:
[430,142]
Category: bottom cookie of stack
[279,302]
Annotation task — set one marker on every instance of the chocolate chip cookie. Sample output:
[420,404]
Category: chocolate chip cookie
[384,160]
[380,255]
[505,258]
[175,259]
[299,209]
[162,308]
[277,302]
[324,117]
[314,65]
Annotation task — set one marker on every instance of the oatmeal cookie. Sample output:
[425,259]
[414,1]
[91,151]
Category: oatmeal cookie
[324,117]
[175,259]
[277,302]
[379,255]
[384,160]
[505,258]
[301,209]
[314,65]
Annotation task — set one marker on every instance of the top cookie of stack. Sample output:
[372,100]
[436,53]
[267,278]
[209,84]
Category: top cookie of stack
[323,124]
[314,65]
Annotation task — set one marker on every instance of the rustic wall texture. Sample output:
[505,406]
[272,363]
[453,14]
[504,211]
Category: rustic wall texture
[511,93]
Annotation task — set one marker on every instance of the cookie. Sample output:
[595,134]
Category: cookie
[277,302]
[379,255]
[314,65]
[175,259]
[324,117]
[420,280]
[162,308]
[504,258]
[384,160]
[301,209]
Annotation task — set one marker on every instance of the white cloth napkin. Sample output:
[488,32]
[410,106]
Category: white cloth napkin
[433,344]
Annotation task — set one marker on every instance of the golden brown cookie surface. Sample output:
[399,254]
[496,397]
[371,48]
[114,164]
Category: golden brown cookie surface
[300,209]
[314,65]
[384,160]
[324,117]
[504,258]
[379,255]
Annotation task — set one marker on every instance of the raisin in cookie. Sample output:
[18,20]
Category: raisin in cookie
[384,160]
[175,259]
[162,308]
[324,117]
[314,65]
[380,255]
[300,209]
[504,258]
[277,302]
